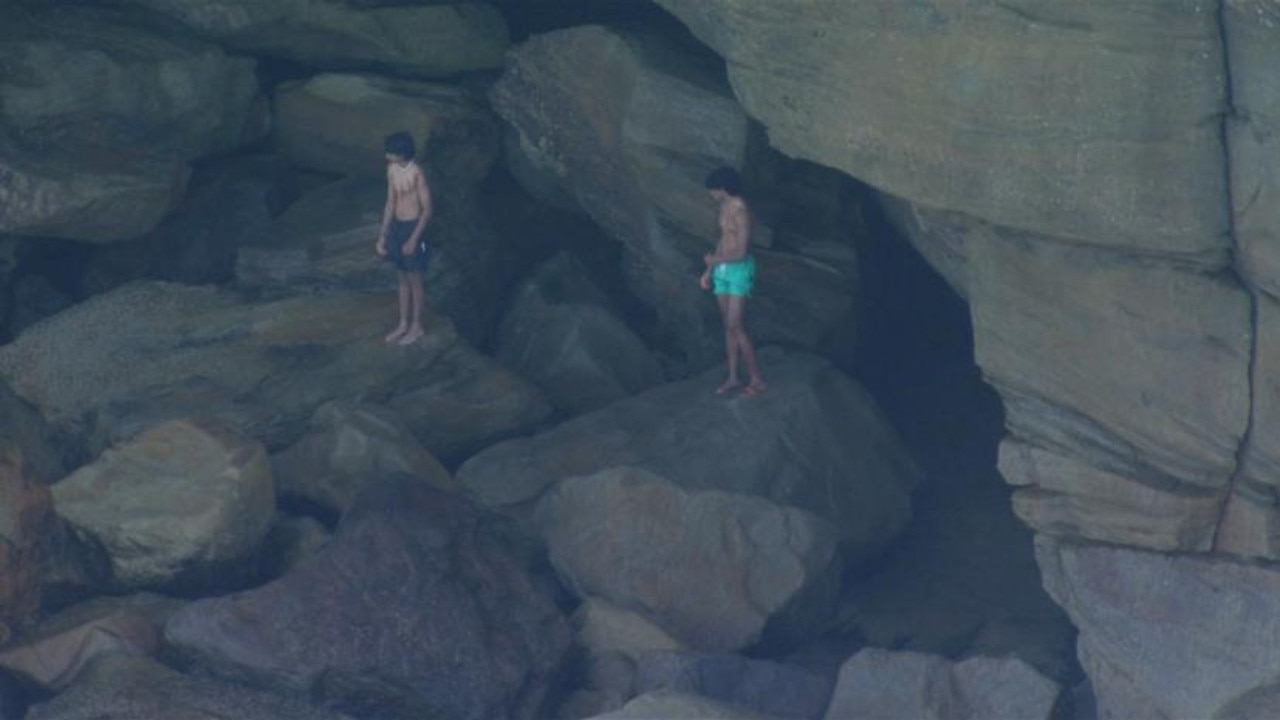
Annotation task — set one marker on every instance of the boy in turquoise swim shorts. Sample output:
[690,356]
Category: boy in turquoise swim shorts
[730,274]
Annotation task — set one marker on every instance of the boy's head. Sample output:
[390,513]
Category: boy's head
[399,146]
[724,179]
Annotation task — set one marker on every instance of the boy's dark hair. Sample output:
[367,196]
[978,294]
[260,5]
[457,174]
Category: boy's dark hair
[724,178]
[399,143]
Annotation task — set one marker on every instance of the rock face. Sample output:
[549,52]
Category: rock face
[100,116]
[813,441]
[176,506]
[630,142]
[25,517]
[878,684]
[126,687]
[431,41]
[336,123]
[679,706]
[997,111]
[346,447]
[562,334]
[147,352]
[712,568]
[449,624]
[770,688]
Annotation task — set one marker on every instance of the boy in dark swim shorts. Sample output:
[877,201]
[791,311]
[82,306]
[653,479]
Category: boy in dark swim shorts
[403,239]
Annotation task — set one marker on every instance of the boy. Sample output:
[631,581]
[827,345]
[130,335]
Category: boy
[403,238]
[731,271]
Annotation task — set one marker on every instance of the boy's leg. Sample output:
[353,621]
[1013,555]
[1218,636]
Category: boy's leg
[730,346]
[415,309]
[403,327]
[737,309]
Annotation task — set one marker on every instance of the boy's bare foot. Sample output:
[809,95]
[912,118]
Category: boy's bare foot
[726,386]
[394,335]
[412,336]
[755,388]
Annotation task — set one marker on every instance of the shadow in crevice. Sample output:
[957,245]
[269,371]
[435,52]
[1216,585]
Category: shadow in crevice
[961,579]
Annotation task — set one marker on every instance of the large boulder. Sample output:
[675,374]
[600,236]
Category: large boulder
[127,360]
[710,567]
[324,243]
[184,504]
[996,111]
[877,684]
[336,123]
[629,143]
[128,687]
[563,334]
[1153,628]
[99,117]
[346,447]
[772,688]
[431,41]
[413,610]
[814,440]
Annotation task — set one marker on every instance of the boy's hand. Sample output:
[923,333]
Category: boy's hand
[381,246]
[704,282]
[407,248]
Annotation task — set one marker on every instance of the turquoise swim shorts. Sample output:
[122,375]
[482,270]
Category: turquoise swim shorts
[734,278]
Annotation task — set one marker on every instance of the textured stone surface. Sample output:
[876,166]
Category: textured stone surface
[147,352]
[347,446]
[771,688]
[427,41]
[677,706]
[562,334]
[877,684]
[815,440]
[336,123]
[26,512]
[126,687]
[1140,368]
[712,568]
[998,109]
[179,504]
[1165,635]
[99,117]
[627,127]
[413,610]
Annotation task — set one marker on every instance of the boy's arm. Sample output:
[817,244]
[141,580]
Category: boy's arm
[424,202]
[387,210]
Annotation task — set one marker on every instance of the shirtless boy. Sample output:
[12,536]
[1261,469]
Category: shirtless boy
[403,238]
[730,273]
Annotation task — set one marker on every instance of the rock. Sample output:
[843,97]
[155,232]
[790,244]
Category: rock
[182,504]
[876,684]
[1250,33]
[1250,523]
[324,243]
[1125,601]
[231,203]
[346,447]
[711,568]
[997,112]
[336,123]
[432,41]
[1059,332]
[613,641]
[101,116]
[562,334]
[35,298]
[125,687]
[292,539]
[26,515]
[815,440]
[770,688]
[148,352]
[675,706]
[56,651]
[631,142]
[449,624]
